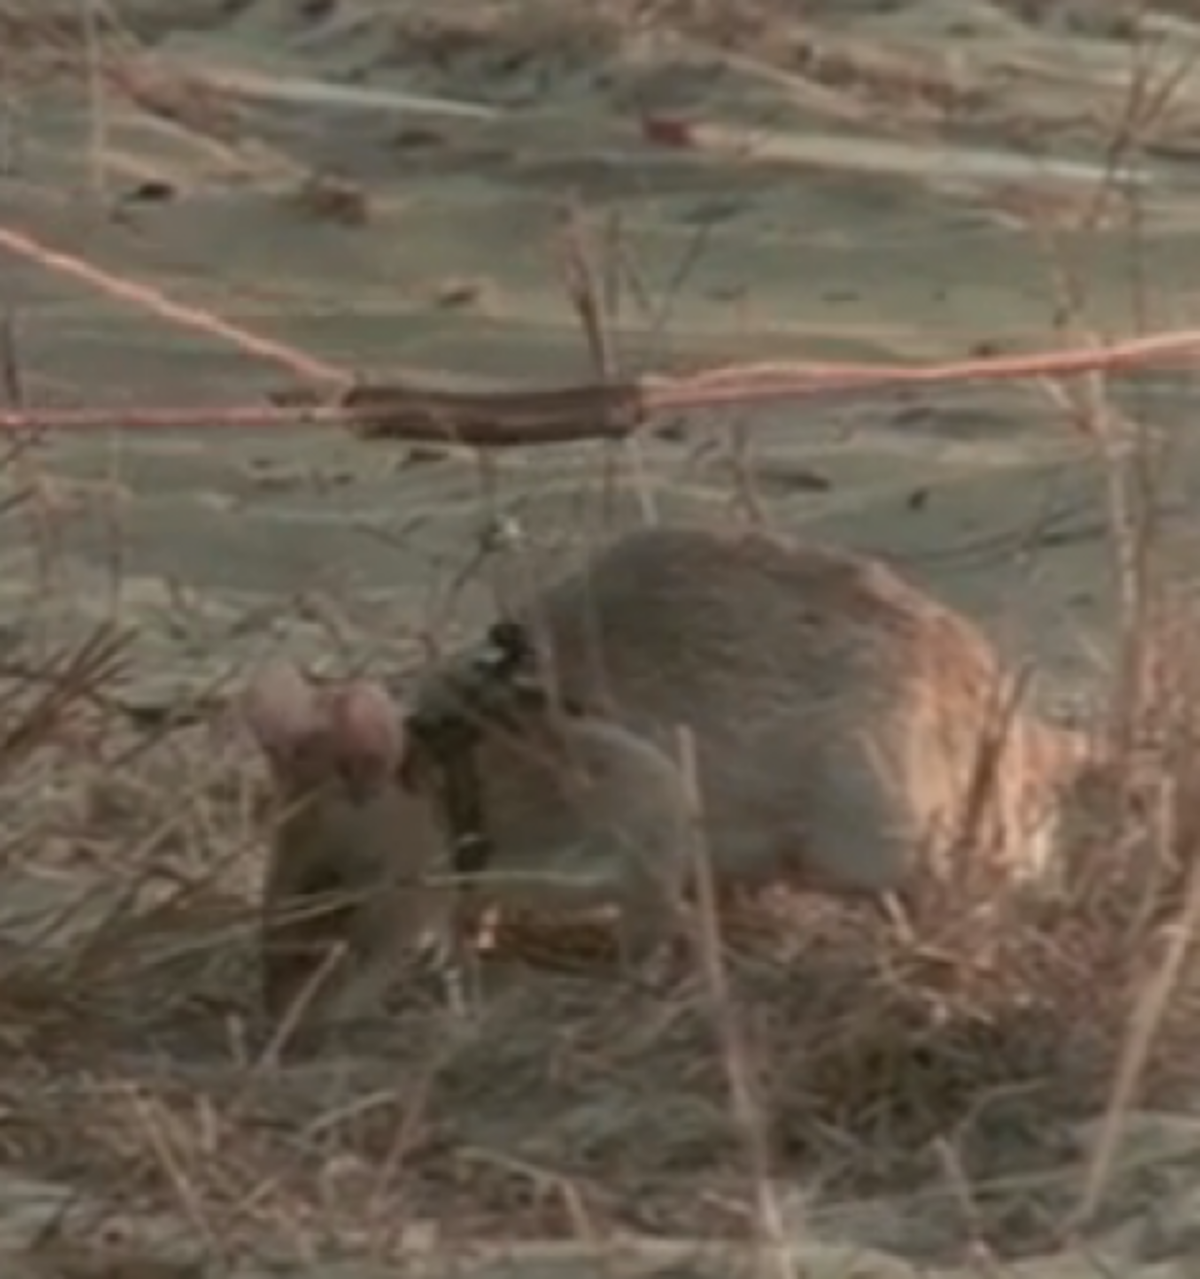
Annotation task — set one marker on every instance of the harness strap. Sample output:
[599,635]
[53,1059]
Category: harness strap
[500,685]
[447,747]
[449,737]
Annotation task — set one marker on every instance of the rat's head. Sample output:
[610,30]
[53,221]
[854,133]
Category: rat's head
[350,849]
[351,734]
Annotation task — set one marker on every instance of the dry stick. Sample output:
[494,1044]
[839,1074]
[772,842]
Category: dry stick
[559,415]
[768,1217]
[99,658]
[595,298]
[93,45]
[296,1009]
[510,418]
[1144,103]
[1143,1028]
[30,486]
[1005,698]
[11,380]
[578,277]
[1132,522]
[185,1190]
[1092,416]
[500,419]
[578,272]
[1133,482]
[1133,493]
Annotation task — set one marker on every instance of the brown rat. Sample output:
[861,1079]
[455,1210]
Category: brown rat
[838,715]
[838,712]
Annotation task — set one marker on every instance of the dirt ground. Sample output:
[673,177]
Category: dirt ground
[889,181]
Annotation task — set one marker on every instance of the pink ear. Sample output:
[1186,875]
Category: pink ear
[368,732]
[281,708]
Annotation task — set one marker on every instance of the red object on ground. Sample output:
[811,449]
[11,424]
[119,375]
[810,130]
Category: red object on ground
[667,131]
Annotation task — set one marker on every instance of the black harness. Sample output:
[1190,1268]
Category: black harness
[500,683]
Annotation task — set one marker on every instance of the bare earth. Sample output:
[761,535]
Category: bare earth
[911,181]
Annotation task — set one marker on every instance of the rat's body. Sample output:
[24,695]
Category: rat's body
[838,713]
[838,716]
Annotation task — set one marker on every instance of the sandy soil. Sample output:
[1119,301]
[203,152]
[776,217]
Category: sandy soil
[905,181]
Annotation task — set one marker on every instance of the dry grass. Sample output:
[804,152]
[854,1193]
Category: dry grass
[132,1039]
[955,1049]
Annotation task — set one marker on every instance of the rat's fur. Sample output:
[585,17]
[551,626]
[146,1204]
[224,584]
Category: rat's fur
[579,813]
[838,716]
[838,712]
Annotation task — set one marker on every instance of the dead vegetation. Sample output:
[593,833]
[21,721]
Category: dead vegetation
[876,1055]
[954,1051]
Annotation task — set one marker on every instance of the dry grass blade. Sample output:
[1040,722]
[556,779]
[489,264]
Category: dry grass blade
[745,1105]
[74,676]
[1145,1024]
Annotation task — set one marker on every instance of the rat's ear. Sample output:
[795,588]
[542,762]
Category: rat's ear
[367,730]
[282,709]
